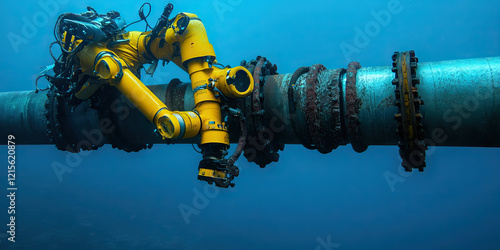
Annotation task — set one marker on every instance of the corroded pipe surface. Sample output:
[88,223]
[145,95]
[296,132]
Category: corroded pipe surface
[312,106]
[461,103]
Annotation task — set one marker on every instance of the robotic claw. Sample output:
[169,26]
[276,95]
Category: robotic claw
[215,169]
[96,50]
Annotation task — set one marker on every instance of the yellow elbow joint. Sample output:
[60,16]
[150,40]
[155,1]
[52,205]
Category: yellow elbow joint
[177,125]
[168,126]
[235,82]
[108,66]
[188,30]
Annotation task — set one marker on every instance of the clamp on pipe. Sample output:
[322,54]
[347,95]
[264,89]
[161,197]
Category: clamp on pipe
[410,129]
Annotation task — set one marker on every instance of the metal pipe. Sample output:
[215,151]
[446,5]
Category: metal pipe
[22,114]
[461,102]
[311,107]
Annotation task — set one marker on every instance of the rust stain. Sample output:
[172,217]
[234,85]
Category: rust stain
[256,91]
[353,106]
[311,112]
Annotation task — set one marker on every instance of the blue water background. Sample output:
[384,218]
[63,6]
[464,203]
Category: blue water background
[119,200]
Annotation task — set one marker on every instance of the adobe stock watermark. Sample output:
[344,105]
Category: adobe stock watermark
[223,6]
[200,201]
[30,26]
[373,28]
[455,116]
[326,244]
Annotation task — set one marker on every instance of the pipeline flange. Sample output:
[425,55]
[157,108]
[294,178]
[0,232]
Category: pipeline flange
[410,129]
[57,111]
[54,112]
[267,153]
[109,101]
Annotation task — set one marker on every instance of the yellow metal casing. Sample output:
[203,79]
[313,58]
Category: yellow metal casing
[211,173]
[213,129]
[192,123]
[88,56]
[110,67]
[234,82]
[193,41]
[184,42]
[167,125]
[170,125]
[207,104]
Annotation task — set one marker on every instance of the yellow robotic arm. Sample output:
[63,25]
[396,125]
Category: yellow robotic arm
[97,60]
[184,41]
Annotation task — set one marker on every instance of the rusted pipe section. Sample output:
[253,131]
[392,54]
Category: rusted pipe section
[461,104]
[262,148]
[316,101]
[352,107]
[314,106]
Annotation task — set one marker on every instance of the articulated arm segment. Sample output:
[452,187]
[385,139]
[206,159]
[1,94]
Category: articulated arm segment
[170,124]
[188,35]
[108,66]
[184,41]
